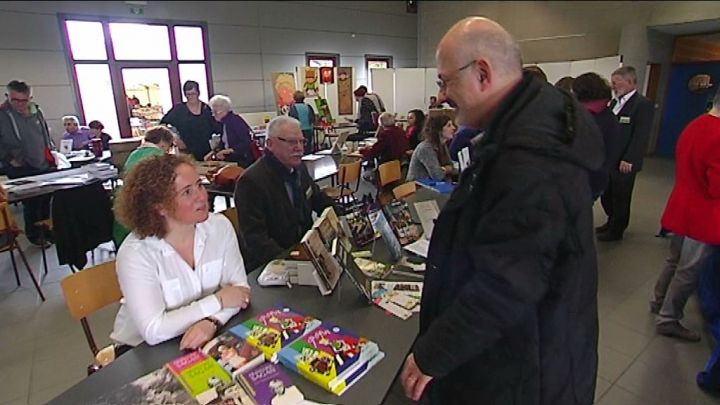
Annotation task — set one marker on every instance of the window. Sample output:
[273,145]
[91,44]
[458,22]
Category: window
[376,62]
[128,74]
[322,59]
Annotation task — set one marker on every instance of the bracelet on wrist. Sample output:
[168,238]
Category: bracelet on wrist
[214,322]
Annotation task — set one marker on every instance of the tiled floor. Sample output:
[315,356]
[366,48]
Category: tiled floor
[43,350]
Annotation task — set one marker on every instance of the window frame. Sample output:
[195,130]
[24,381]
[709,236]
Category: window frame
[334,57]
[378,58]
[116,66]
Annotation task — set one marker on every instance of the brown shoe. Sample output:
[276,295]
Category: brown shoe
[676,330]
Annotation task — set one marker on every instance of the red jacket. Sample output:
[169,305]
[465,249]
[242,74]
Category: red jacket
[693,208]
[391,145]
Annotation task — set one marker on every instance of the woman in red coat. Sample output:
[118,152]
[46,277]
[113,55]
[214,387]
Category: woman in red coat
[693,215]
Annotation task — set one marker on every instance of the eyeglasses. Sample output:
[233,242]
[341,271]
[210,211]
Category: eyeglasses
[442,83]
[293,142]
[19,100]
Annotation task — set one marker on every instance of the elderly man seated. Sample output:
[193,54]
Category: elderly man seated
[81,136]
[275,196]
[391,141]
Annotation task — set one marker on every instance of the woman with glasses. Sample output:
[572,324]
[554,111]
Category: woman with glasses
[236,143]
[180,270]
[193,120]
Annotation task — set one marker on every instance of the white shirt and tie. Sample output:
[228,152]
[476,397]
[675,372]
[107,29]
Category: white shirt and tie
[620,102]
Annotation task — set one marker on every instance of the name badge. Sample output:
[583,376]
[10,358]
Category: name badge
[624,120]
[308,192]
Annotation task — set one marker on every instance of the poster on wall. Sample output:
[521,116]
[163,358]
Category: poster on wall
[310,77]
[283,88]
[326,75]
[345,91]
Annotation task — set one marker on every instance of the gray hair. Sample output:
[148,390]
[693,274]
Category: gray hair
[71,118]
[220,103]
[386,119]
[627,72]
[275,126]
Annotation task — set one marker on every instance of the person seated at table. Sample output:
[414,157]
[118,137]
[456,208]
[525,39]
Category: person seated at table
[96,127]
[416,121]
[193,120]
[305,114]
[431,158]
[236,142]
[180,270]
[371,106]
[157,142]
[81,136]
[391,141]
[276,195]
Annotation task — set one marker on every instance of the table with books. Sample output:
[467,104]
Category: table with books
[364,349]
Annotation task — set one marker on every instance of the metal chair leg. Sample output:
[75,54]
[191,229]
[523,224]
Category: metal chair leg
[32,276]
[12,258]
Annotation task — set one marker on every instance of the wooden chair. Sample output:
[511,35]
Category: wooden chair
[88,291]
[9,233]
[388,174]
[232,215]
[404,190]
[347,174]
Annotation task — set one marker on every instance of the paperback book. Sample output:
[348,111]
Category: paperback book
[331,357]
[233,353]
[269,385]
[401,221]
[203,378]
[274,329]
[157,388]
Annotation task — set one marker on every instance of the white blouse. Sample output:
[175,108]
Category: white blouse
[163,296]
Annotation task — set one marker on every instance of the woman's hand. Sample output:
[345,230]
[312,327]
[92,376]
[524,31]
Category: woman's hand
[224,153]
[209,157]
[198,334]
[234,297]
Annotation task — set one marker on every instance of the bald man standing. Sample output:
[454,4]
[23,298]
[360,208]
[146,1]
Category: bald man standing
[509,306]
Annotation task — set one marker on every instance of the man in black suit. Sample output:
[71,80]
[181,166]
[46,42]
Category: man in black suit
[275,197]
[635,115]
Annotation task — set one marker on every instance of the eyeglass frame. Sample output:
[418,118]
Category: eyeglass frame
[442,83]
[290,142]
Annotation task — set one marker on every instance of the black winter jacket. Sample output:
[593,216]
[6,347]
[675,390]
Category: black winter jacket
[509,307]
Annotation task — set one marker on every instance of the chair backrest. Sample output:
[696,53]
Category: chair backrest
[350,172]
[7,220]
[91,289]
[404,189]
[389,172]
[120,149]
[232,215]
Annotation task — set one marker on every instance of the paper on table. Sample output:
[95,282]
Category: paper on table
[419,247]
[428,212]
[311,157]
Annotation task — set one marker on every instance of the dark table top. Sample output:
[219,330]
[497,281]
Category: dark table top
[346,306]
[33,186]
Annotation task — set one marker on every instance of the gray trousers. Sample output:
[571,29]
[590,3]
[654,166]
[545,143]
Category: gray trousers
[678,279]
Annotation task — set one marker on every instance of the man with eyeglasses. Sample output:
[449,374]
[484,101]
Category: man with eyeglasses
[509,304]
[275,197]
[25,148]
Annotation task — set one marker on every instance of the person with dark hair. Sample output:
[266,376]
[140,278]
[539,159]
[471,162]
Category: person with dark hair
[635,115]
[565,84]
[593,92]
[431,158]
[193,120]
[416,122]
[369,109]
[536,71]
[96,127]
[433,102]
[305,114]
[26,149]
[509,302]
[180,270]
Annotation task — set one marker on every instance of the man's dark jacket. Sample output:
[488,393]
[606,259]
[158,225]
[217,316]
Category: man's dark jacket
[635,118]
[269,223]
[509,307]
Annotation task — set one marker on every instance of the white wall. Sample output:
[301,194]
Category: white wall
[248,42]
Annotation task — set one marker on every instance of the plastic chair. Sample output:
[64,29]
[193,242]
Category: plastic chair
[404,190]
[9,232]
[347,174]
[88,291]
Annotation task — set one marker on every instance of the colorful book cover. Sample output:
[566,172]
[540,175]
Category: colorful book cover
[274,329]
[331,357]
[398,214]
[233,353]
[269,385]
[201,376]
[158,387]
